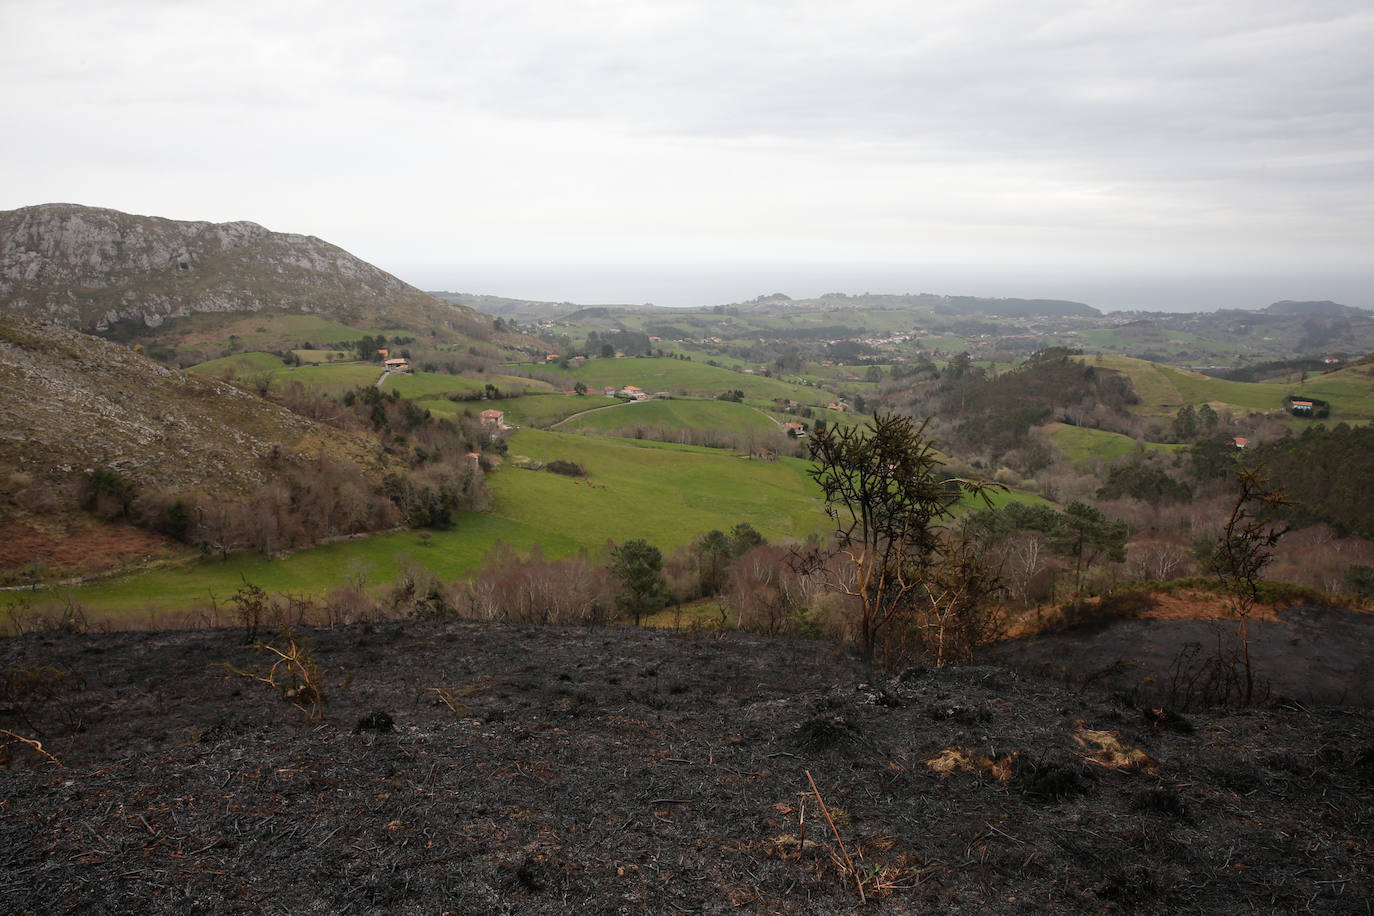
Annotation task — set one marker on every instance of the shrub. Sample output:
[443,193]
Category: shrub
[566,468]
[534,590]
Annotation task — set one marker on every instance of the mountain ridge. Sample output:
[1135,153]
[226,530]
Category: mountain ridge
[92,268]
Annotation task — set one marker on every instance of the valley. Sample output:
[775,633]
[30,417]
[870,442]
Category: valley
[563,601]
[662,425]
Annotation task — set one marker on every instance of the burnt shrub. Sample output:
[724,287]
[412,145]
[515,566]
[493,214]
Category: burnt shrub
[827,731]
[1086,613]
[1159,800]
[1050,778]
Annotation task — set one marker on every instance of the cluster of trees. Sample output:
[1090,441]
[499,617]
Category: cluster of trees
[369,346]
[425,478]
[609,343]
[533,589]
[301,503]
[994,413]
[1025,535]
[1326,472]
[632,581]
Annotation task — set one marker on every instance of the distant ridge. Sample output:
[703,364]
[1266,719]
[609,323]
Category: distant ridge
[90,268]
[1321,309]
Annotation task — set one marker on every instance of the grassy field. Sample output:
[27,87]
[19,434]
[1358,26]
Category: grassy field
[1081,445]
[537,410]
[315,357]
[330,379]
[1163,390]
[690,377]
[431,384]
[336,377]
[674,414]
[376,561]
[240,364]
[667,494]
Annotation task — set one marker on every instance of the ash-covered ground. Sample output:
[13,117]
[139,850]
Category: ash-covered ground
[470,768]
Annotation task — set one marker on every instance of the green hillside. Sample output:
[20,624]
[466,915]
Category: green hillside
[242,365]
[667,494]
[1080,444]
[679,376]
[1164,389]
[673,414]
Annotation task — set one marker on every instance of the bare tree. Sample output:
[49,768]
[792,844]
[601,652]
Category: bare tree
[1245,547]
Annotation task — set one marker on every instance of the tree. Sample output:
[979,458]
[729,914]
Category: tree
[580,387]
[883,490]
[1144,482]
[713,560]
[1245,547]
[1185,424]
[1087,535]
[637,565]
[743,537]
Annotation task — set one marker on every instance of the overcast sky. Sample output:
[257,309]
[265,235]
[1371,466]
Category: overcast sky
[1151,154]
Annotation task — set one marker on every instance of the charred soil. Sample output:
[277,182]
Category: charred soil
[471,768]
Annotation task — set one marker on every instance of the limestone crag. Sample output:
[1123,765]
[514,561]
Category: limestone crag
[91,268]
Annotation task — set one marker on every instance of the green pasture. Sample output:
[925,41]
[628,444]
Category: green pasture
[315,357]
[1081,445]
[687,376]
[1164,389]
[998,498]
[666,494]
[432,384]
[542,411]
[329,379]
[375,560]
[677,413]
[240,364]
[268,329]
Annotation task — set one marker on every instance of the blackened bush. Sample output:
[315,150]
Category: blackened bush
[1049,779]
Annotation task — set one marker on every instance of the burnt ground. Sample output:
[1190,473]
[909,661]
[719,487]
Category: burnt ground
[1306,655]
[627,771]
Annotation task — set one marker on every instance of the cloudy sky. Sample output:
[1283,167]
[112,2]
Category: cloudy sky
[1134,154]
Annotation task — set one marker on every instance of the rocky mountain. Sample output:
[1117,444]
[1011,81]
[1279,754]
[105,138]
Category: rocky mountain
[91,269]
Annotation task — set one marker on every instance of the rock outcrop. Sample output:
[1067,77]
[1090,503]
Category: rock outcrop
[90,268]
